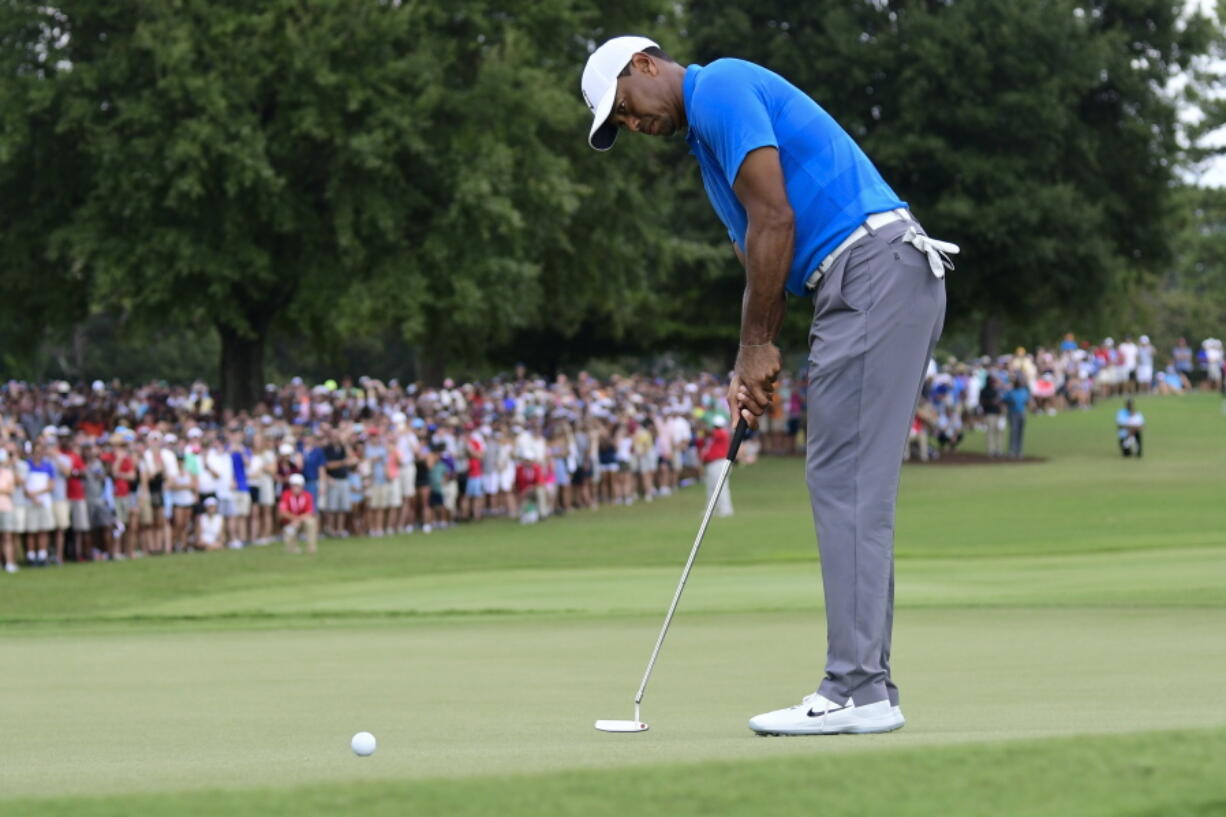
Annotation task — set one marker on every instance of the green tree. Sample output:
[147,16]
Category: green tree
[322,167]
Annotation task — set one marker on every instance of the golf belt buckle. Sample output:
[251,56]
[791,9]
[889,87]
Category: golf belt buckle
[938,252]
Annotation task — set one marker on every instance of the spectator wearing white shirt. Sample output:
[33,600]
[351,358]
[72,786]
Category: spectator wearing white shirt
[1145,365]
[1213,362]
[260,477]
[162,467]
[211,526]
[405,443]
[219,468]
[39,519]
[1128,364]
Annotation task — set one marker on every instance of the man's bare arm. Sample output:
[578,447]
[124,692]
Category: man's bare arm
[769,241]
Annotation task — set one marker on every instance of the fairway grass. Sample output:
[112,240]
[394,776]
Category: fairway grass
[1060,643]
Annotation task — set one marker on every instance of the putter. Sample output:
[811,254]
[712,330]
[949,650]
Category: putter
[637,725]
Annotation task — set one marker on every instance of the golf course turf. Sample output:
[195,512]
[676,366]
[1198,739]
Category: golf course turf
[1060,644]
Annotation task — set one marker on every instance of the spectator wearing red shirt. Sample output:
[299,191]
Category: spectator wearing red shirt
[713,448]
[123,473]
[297,512]
[78,509]
[474,490]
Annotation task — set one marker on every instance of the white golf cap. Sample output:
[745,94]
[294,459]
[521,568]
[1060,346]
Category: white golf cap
[599,84]
[297,479]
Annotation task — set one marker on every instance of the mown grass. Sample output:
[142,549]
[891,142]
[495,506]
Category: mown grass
[1045,611]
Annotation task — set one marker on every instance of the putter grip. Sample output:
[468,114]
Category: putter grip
[742,428]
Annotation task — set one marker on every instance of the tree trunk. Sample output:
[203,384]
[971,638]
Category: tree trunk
[242,368]
[431,364]
[989,335]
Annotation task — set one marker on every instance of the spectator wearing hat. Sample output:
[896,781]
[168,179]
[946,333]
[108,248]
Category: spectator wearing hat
[289,462]
[713,450]
[297,513]
[211,526]
[1212,348]
[1145,365]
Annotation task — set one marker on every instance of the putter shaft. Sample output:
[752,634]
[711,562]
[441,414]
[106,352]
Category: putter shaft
[741,430]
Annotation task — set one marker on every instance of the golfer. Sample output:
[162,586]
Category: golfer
[809,215]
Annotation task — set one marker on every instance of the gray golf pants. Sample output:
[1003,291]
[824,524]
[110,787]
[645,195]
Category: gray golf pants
[878,313]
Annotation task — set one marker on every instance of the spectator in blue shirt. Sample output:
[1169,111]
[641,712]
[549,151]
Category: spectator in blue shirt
[1128,425]
[1017,400]
[313,459]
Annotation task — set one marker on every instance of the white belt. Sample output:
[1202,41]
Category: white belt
[938,252]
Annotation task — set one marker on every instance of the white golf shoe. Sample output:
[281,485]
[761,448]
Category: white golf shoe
[817,715]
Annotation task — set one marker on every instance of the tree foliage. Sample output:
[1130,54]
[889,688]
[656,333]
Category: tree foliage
[326,166]
[330,172]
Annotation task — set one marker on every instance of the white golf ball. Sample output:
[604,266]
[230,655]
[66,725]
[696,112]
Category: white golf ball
[363,744]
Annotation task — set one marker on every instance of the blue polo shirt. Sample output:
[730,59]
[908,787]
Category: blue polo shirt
[734,107]
[311,464]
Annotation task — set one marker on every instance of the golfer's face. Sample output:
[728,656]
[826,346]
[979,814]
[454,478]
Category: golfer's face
[641,107]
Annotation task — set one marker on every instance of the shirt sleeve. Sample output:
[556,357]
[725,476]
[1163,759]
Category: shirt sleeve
[730,115]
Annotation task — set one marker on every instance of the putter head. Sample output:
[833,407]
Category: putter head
[621,726]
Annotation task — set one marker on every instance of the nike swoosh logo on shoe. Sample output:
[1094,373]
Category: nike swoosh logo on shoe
[813,714]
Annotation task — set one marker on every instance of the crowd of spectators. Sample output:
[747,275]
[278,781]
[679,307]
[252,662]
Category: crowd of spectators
[996,395]
[97,472]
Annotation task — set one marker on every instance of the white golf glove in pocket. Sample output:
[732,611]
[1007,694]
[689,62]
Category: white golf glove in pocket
[938,252]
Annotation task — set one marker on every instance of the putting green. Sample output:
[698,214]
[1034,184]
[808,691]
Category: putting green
[230,683]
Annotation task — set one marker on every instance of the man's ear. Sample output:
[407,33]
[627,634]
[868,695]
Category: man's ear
[644,64]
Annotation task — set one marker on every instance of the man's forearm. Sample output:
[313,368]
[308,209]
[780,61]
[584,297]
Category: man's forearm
[768,256]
